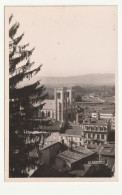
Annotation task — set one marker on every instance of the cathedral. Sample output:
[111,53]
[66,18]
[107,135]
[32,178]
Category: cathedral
[62,108]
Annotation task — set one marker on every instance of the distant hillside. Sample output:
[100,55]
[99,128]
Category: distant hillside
[88,79]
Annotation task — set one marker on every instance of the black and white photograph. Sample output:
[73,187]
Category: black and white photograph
[61,92]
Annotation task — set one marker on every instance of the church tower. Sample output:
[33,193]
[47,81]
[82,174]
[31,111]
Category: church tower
[64,104]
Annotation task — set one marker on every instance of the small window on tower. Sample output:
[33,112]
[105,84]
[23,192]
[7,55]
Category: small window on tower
[58,95]
[68,94]
[49,114]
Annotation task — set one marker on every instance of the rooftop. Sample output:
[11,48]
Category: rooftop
[52,137]
[99,170]
[51,126]
[82,150]
[107,111]
[73,130]
[108,150]
[91,100]
[75,154]
[70,156]
[49,105]
[94,148]
[101,122]
[49,145]
[109,99]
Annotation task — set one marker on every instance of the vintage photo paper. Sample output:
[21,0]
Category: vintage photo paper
[61,93]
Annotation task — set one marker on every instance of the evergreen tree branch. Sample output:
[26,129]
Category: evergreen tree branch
[13,30]
[10,18]
[19,77]
[14,61]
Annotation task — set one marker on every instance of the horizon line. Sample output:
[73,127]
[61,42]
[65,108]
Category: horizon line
[80,75]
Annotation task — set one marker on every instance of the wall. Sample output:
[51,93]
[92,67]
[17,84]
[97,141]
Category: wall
[60,164]
[47,154]
[109,159]
[76,140]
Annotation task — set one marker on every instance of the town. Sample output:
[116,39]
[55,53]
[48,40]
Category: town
[61,115]
[73,138]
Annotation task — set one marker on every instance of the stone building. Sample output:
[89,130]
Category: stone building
[62,107]
[96,131]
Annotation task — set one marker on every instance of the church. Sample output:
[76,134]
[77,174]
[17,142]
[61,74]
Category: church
[62,107]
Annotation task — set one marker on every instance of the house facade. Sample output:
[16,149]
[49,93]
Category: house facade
[96,131]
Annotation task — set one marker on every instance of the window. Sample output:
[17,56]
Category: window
[102,136]
[93,136]
[105,128]
[85,135]
[49,114]
[59,95]
[42,114]
[68,94]
[98,136]
[89,135]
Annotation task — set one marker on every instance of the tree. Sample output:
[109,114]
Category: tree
[78,98]
[21,107]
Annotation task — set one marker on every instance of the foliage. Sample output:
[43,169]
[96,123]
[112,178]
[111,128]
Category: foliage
[21,99]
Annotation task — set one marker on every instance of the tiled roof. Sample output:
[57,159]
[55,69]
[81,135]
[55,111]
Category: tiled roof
[51,126]
[70,156]
[73,156]
[82,150]
[109,99]
[49,145]
[53,136]
[49,105]
[106,111]
[73,130]
[94,148]
[108,150]
[101,122]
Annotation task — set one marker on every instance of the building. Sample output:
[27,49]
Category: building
[61,108]
[104,114]
[91,170]
[72,136]
[73,159]
[95,131]
[48,153]
[107,154]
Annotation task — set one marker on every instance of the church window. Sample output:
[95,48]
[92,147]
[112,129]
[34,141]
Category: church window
[49,114]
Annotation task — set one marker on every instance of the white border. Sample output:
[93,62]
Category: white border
[57,188]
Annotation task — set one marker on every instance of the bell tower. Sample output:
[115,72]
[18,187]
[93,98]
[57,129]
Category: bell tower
[64,101]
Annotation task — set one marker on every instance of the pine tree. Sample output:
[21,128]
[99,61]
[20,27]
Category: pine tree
[21,99]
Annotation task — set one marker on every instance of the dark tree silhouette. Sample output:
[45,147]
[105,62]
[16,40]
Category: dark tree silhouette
[21,107]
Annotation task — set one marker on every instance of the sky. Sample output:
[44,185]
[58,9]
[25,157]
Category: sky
[70,41]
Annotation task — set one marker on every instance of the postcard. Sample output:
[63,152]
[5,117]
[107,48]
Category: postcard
[61,93]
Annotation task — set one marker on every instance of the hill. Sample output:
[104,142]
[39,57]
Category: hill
[81,80]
